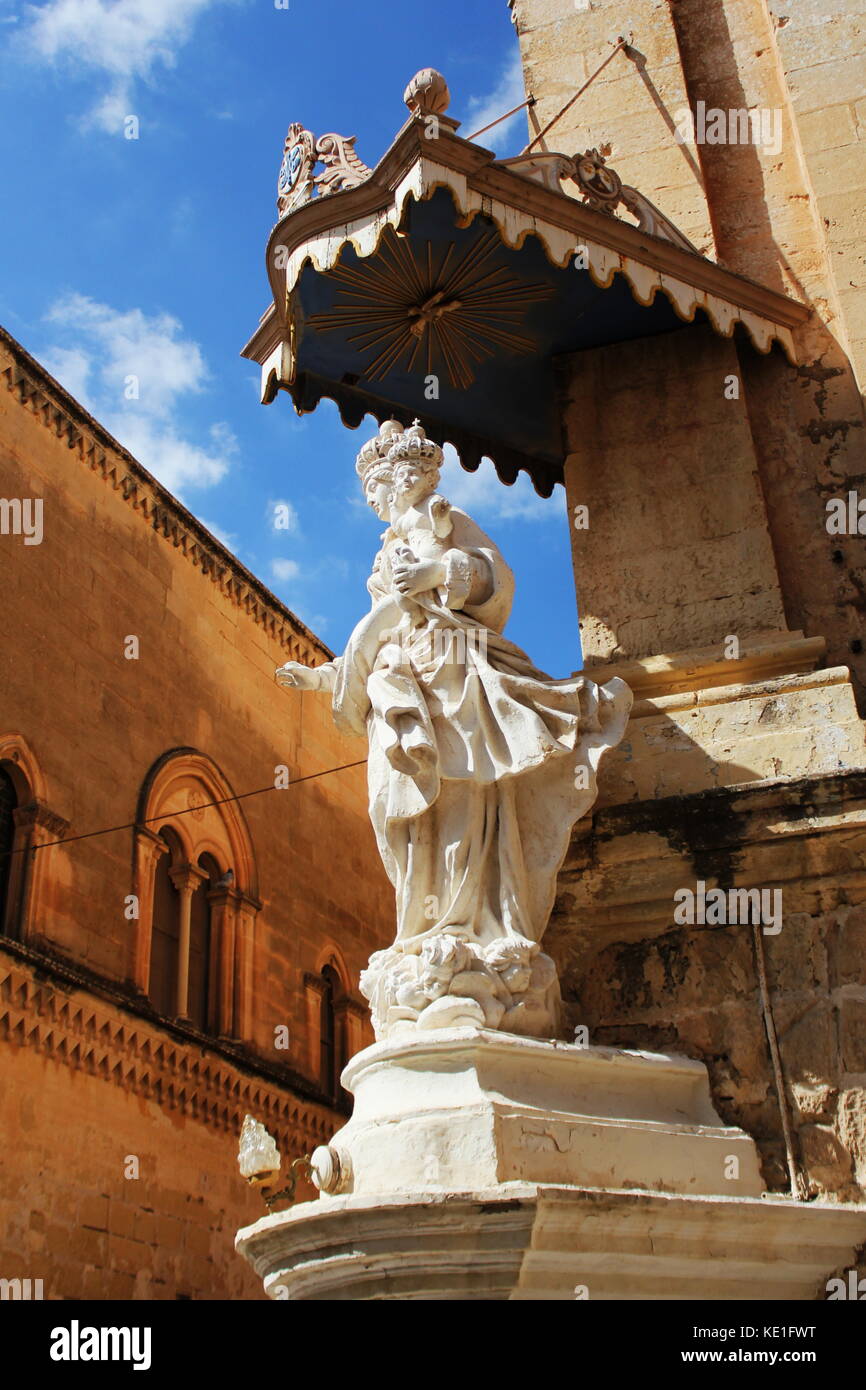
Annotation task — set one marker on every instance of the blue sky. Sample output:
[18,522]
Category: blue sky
[145,257]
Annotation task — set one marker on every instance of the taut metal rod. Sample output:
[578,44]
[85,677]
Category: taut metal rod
[621,43]
[530,101]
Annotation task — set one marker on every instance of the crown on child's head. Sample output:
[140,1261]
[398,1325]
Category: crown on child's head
[393,445]
[413,446]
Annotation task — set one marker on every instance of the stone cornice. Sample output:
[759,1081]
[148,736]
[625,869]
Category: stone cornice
[48,1005]
[98,450]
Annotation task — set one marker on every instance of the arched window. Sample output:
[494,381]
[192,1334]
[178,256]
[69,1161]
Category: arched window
[335,1025]
[29,831]
[8,804]
[195,881]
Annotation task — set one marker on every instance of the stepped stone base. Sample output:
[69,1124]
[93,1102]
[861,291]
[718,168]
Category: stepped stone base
[480,1165]
[466,1108]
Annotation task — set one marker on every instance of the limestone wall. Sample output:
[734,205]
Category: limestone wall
[119,1177]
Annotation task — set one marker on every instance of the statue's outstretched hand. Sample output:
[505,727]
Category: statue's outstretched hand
[301,677]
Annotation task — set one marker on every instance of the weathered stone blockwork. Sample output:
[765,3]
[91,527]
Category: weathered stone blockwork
[118,1178]
[790,217]
[637,979]
[707,470]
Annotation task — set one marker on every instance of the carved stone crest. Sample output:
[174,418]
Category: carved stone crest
[297,183]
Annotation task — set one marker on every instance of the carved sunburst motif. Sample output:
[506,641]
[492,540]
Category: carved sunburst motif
[416,311]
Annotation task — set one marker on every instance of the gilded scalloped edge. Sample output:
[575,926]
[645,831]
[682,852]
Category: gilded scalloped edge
[364,236]
[506,472]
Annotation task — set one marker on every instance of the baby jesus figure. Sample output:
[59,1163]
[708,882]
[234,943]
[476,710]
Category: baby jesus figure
[411,562]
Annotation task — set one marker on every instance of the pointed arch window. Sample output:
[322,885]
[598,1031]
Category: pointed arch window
[195,881]
[27,824]
[337,1025]
[202,958]
[165,938]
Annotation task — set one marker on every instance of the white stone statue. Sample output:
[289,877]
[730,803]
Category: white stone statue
[479,764]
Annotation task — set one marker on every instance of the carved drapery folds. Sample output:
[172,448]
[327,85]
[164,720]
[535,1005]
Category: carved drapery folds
[196,888]
[297,182]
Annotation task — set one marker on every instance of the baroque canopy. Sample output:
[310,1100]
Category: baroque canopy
[444,284]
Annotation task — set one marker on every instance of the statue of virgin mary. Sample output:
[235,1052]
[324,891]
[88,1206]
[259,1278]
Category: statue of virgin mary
[479,764]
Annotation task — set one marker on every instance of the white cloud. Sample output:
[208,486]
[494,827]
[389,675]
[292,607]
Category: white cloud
[285,570]
[508,92]
[133,372]
[126,40]
[486,499]
[72,367]
[132,344]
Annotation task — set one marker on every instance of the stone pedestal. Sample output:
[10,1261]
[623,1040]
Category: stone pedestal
[482,1165]
[462,1109]
[524,1242]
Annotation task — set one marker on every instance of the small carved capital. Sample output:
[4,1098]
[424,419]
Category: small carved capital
[187,877]
[37,815]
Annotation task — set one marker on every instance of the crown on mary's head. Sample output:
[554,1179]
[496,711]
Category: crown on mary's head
[394,445]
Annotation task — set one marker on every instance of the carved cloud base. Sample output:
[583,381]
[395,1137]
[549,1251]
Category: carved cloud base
[479,1164]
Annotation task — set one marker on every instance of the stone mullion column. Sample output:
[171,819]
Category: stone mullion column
[351,1015]
[35,828]
[185,879]
[148,850]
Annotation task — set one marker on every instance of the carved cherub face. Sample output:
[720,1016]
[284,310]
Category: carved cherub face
[512,961]
[412,483]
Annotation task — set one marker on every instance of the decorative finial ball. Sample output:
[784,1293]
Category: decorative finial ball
[427,93]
